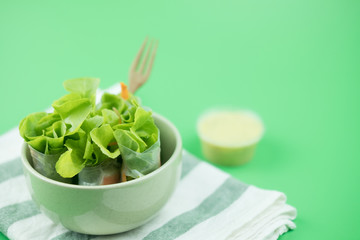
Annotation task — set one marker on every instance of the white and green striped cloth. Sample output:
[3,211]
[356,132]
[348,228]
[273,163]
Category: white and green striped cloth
[207,204]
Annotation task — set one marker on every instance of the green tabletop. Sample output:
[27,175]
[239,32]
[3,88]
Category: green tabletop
[295,63]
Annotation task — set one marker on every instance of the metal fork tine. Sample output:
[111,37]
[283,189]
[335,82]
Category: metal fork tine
[146,58]
[138,56]
[148,71]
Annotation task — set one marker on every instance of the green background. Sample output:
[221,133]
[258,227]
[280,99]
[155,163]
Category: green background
[295,63]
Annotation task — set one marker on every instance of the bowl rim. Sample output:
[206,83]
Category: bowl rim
[177,152]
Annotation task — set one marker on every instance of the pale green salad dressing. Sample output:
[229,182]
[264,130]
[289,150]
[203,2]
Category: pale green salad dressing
[230,127]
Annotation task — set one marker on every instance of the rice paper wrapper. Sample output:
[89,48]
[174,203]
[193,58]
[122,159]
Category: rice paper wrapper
[45,165]
[139,164]
[105,173]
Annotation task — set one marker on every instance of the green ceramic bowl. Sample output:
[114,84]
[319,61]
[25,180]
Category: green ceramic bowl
[112,208]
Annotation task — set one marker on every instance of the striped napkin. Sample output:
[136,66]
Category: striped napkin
[207,204]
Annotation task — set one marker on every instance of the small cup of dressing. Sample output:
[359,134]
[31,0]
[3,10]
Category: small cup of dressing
[229,136]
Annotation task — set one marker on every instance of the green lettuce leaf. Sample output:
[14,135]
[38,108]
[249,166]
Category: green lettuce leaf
[84,152]
[72,161]
[145,127]
[39,143]
[91,123]
[56,130]
[123,126]
[110,101]
[47,121]
[85,87]
[67,98]
[28,126]
[110,117]
[69,164]
[44,132]
[87,137]
[129,115]
[130,140]
[73,110]
[102,137]
[88,152]
[139,164]
[54,145]
[99,155]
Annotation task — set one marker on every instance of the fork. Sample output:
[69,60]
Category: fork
[141,67]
